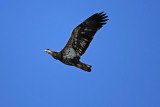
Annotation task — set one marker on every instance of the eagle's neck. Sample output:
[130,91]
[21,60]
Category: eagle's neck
[56,55]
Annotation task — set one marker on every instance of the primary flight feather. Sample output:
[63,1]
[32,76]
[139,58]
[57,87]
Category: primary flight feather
[79,41]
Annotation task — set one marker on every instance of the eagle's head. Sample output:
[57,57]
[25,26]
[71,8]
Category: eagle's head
[53,53]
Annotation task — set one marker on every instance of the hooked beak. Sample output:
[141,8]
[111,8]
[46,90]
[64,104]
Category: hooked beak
[45,50]
[48,51]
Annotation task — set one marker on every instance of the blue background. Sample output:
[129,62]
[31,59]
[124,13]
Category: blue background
[125,54]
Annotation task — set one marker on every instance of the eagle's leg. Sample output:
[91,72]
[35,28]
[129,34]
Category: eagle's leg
[84,67]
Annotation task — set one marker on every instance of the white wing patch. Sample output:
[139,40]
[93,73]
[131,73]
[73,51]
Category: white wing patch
[83,43]
[88,29]
[70,53]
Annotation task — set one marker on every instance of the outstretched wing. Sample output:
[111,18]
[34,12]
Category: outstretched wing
[83,34]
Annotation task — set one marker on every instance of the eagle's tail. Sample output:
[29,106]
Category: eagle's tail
[84,67]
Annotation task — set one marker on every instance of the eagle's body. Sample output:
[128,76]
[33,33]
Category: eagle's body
[79,41]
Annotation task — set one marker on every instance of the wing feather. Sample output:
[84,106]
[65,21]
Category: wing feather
[83,34]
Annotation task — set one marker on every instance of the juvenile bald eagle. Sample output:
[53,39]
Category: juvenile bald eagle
[79,41]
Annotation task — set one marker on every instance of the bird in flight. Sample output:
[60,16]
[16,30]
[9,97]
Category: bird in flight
[79,41]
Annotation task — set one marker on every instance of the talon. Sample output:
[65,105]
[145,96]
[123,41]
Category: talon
[79,65]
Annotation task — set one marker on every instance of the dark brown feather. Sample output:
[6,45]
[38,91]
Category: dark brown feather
[83,34]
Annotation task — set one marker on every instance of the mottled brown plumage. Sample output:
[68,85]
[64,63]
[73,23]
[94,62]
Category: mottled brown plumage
[79,41]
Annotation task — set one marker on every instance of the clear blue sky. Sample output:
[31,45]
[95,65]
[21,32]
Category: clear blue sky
[125,54]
